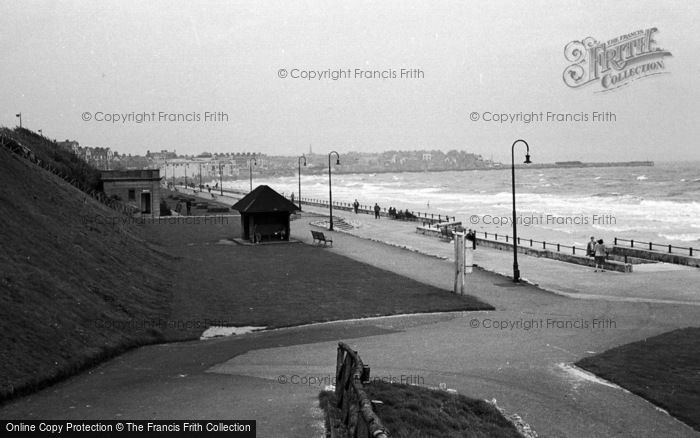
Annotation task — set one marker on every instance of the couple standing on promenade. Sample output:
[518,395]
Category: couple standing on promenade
[377,209]
[598,251]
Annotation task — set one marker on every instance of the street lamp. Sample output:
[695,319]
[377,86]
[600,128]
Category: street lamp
[20,119]
[221,179]
[250,169]
[299,162]
[330,191]
[516,271]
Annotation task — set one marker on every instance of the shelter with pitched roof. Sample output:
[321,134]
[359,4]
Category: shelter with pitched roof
[264,215]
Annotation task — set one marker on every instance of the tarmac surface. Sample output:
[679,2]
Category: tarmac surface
[520,354]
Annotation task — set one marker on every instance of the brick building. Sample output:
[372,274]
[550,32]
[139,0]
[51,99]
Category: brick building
[140,188]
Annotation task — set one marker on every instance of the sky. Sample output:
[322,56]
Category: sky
[69,66]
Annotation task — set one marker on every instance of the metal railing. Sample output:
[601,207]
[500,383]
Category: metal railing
[369,209]
[651,245]
[533,242]
[355,407]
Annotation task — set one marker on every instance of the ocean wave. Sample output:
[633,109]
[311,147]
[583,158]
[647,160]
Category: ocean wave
[606,194]
[684,237]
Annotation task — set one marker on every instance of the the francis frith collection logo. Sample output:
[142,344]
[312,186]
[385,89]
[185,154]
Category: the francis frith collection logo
[614,63]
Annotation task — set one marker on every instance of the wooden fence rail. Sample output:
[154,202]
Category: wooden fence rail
[355,407]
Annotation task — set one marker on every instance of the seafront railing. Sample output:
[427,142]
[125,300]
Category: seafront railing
[651,246]
[533,242]
[369,209]
[347,206]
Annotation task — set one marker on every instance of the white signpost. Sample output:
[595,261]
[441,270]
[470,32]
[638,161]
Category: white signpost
[464,261]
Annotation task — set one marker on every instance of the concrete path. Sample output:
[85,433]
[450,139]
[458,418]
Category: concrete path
[520,354]
[658,282]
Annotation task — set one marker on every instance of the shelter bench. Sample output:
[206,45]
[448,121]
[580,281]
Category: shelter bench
[268,232]
[317,235]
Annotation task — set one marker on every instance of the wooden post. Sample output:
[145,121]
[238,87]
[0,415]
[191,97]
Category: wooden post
[459,264]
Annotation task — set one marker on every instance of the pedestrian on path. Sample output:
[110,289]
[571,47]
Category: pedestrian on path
[601,252]
[188,203]
[590,248]
[355,205]
[376,210]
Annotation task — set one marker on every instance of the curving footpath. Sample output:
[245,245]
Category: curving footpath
[519,354]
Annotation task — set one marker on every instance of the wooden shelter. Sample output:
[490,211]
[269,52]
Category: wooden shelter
[264,215]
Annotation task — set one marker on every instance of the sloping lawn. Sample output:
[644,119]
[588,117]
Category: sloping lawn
[410,411]
[664,369]
[280,285]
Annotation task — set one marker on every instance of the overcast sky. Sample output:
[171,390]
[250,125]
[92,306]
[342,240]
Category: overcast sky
[62,59]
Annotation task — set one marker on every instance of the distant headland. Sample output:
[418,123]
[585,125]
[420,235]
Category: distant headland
[574,164]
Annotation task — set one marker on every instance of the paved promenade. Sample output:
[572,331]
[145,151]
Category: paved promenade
[520,354]
[657,282]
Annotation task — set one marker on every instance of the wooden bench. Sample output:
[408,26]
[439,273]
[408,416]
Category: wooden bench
[320,237]
[446,233]
[267,232]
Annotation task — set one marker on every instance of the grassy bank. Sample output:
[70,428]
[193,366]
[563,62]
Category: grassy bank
[414,412]
[664,369]
[70,290]
[280,285]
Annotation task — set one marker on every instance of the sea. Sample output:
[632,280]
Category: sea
[659,204]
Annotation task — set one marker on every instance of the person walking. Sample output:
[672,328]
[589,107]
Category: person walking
[590,248]
[355,206]
[601,252]
[188,203]
[376,210]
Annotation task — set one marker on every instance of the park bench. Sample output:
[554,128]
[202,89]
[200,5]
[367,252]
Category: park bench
[320,237]
[267,232]
[446,233]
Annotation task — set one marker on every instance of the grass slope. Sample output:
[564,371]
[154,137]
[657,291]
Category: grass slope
[282,285]
[410,411]
[65,162]
[664,369]
[68,290]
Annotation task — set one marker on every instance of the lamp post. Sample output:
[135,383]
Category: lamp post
[299,162]
[186,165]
[20,119]
[516,271]
[200,177]
[221,179]
[250,170]
[330,191]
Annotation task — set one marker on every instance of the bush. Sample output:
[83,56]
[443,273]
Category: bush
[164,209]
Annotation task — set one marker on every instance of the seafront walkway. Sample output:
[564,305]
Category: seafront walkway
[520,354]
[652,283]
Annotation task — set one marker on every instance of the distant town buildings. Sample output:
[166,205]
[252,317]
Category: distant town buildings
[207,166]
